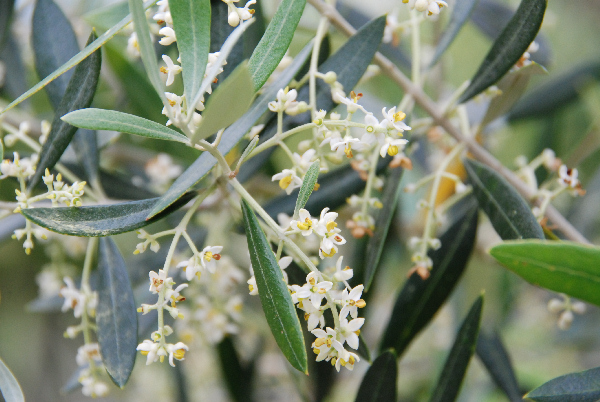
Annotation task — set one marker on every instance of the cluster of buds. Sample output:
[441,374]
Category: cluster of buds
[157,349]
[22,169]
[429,7]
[566,307]
[59,192]
[238,14]
[89,359]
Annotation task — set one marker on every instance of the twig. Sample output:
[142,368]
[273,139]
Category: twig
[432,109]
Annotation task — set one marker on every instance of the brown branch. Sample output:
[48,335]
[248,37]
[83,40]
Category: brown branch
[435,112]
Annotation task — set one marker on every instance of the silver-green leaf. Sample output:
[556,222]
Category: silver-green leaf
[308,185]
[101,119]
[9,386]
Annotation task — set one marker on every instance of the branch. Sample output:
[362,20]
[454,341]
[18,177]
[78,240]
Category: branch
[435,112]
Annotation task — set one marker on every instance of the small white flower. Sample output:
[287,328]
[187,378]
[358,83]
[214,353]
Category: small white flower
[346,142]
[74,299]
[344,358]
[157,281]
[286,99]
[151,350]
[133,46]
[303,162]
[171,69]
[168,36]
[305,223]
[392,146]
[88,352]
[209,257]
[568,177]
[288,180]
[176,351]
[342,274]
[394,120]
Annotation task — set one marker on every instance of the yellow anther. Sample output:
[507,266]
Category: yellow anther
[139,309]
[162,359]
[378,204]
[331,225]
[370,129]
[322,291]
[285,182]
[351,360]
[251,288]
[316,187]
[144,352]
[164,70]
[316,351]
[312,281]
[331,254]
[360,303]
[172,103]
[208,256]
[392,150]
[348,151]
[399,116]
[343,362]
[306,316]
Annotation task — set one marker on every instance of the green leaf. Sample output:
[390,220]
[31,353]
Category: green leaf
[85,146]
[231,136]
[308,185]
[229,102]
[513,86]
[101,119]
[420,299]
[495,358]
[78,58]
[54,43]
[191,22]
[556,93]
[363,350]
[237,377]
[140,23]
[274,295]
[460,15]
[509,47]
[276,41]
[78,95]
[99,220]
[575,387]
[116,316]
[379,383]
[9,386]
[452,375]
[389,199]
[564,267]
[6,12]
[508,212]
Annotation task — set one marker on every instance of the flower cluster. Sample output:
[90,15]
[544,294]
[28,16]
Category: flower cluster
[566,307]
[429,7]
[238,14]
[325,227]
[156,348]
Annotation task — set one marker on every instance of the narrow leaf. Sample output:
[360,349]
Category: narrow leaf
[575,387]
[508,212]
[274,294]
[379,383]
[101,119]
[116,316]
[276,41]
[89,49]
[460,14]
[238,378]
[452,375]
[138,14]
[389,199]
[11,390]
[229,102]
[99,220]
[564,267]
[420,299]
[78,95]
[231,136]
[54,43]
[513,86]
[308,185]
[495,358]
[509,47]
[191,22]
[6,12]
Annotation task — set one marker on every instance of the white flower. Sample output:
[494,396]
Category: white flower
[288,180]
[344,358]
[133,46]
[171,69]
[20,168]
[237,14]
[351,302]
[351,103]
[430,7]
[394,120]
[303,162]
[305,223]
[392,146]
[252,286]
[157,281]
[73,298]
[163,15]
[313,316]
[87,353]
[209,257]
[93,387]
[346,143]
[568,177]
[324,343]
[176,351]
[286,99]
[317,289]
[168,36]
[151,350]
[342,275]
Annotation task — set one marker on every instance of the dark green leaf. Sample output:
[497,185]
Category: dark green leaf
[102,119]
[564,267]
[508,212]
[147,53]
[231,136]
[54,43]
[513,86]
[99,220]
[275,41]
[460,14]
[308,185]
[389,199]
[15,78]
[238,378]
[509,47]
[495,358]
[575,387]
[6,11]
[274,295]
[556,93]
[191,22]
[78,95]
[420,299]
[227,103]
[11,390]
[116,316]
[452,375]
[379,383]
